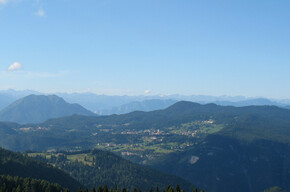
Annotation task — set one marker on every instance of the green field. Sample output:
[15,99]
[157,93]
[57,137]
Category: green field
[155,143]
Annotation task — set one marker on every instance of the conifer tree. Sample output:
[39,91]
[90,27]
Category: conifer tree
[105,188]
[177,188]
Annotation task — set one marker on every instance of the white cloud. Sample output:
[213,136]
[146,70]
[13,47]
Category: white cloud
[3,1]
[15,66]
[40,12]
[147,91]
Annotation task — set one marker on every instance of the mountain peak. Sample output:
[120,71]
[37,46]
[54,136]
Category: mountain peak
[187,105]
[38,108]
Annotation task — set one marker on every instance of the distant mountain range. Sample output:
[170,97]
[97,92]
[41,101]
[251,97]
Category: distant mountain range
[107,105]
[249,102]
[146,105]
[38,108]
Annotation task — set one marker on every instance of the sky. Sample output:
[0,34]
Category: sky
[150,47]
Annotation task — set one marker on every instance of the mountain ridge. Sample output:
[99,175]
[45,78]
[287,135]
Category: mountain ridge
[107,103]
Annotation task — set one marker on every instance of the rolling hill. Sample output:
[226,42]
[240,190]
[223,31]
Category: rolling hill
[38,108]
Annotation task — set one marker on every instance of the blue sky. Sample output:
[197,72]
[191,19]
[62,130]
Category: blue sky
[119,47]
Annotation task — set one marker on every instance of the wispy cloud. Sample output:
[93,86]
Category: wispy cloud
[40,12]
[14,67]
[147,91]
[31,74]
[3,1]
[44,74]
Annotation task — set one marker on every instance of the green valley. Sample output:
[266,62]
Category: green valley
[204,144]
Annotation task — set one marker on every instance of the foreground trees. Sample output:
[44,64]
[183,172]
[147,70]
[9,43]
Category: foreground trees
[116,189]
[18,184]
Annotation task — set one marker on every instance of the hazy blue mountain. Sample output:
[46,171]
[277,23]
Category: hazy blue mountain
[95,102]
[99,103]
[248,102]
[106,104]
[38,108]
[146,105]
[5,100]
[204,98]
[19,93]
[9,96]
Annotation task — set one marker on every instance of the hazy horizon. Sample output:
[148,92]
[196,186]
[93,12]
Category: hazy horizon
[146,47]
[240,97]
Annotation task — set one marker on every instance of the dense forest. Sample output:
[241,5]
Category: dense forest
[15,164]
[117,189]
[19,184]
[97,167]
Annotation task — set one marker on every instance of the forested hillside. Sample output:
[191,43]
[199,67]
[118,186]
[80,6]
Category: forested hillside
[19,184]
[221,163]
[15,164]
[96,168]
